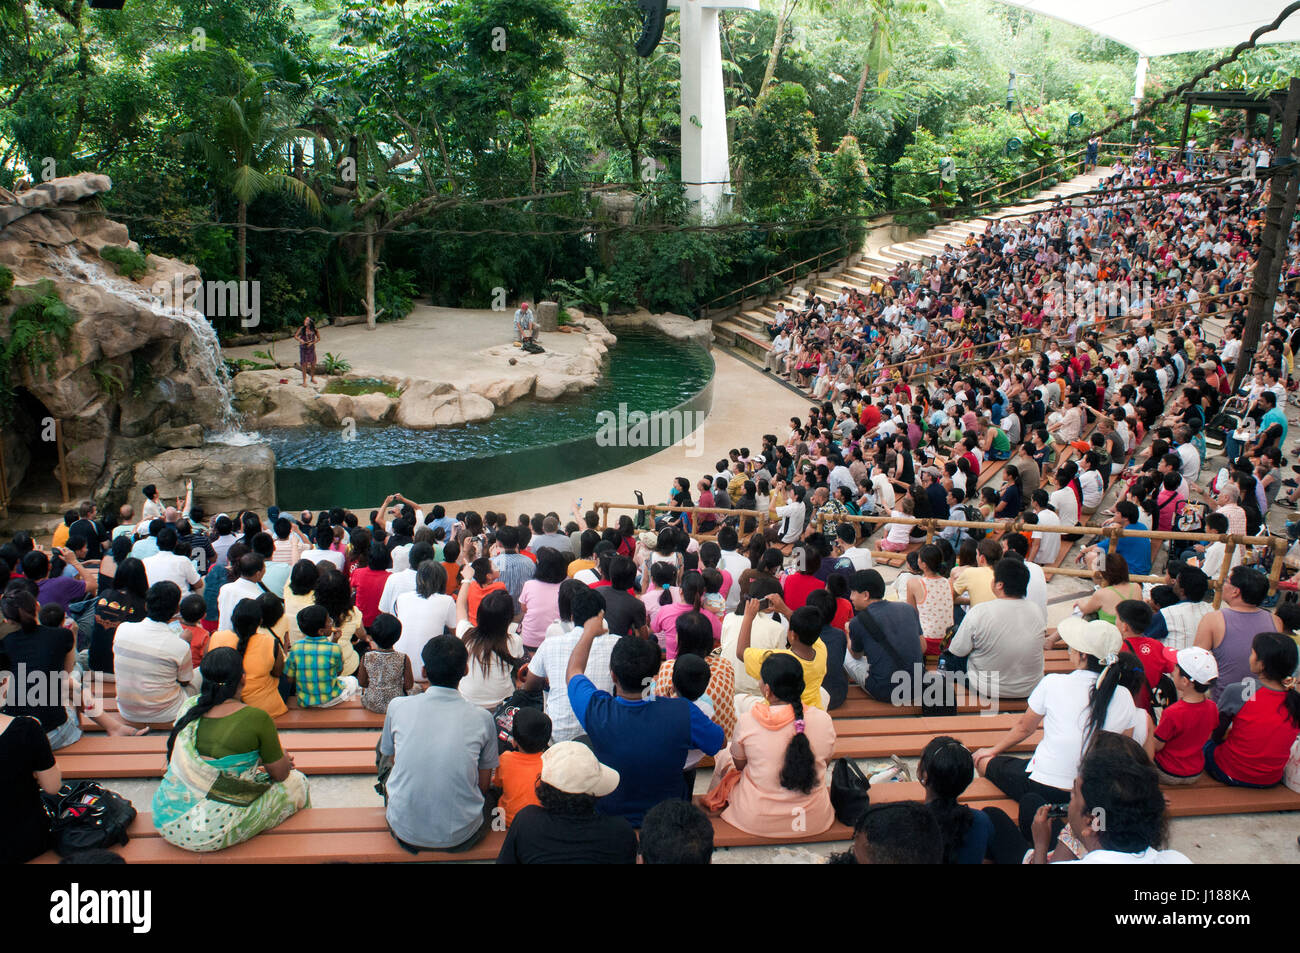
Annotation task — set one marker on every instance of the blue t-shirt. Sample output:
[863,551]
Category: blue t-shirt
[1274,416]
[646,742]
[975,845]
[1136,551]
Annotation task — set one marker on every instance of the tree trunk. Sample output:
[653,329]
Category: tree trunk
[862,85]
[370,275]
[242,263]
[782,20]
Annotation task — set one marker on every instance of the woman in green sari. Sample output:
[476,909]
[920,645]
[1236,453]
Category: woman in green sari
[227,777]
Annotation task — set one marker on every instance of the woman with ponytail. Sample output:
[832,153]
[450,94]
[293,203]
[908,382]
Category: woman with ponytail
[692,600]
[1259,718]
[263,663]
[1071,708]
[772,775]
[227,777]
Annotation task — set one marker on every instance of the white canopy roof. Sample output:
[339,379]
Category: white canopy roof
[1161,27]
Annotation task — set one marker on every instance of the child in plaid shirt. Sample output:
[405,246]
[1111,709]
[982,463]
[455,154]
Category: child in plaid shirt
[315,662]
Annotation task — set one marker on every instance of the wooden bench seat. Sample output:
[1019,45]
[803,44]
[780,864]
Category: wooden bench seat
[989,470]
[348,714]
[360,835]
[867,707]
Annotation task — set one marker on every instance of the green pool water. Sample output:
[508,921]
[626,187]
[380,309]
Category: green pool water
[524,445]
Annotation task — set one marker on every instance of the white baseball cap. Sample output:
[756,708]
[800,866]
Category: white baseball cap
[1199,664]
[1096,638]
[572,767]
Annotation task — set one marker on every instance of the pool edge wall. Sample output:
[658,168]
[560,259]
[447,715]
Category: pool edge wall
[297,488]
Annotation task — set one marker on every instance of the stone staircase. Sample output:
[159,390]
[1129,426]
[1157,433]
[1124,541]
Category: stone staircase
[745,333]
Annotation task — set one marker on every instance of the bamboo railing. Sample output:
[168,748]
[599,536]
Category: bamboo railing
[1113,533]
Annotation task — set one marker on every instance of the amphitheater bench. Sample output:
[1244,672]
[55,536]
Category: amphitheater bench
[348,714]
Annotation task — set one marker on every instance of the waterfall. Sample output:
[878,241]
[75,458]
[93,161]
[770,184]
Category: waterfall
[69,264]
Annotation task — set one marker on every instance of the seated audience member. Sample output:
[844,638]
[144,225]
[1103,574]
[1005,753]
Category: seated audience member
[776,764]
[676,832]
[1230,632]
[1259,718]
[521,766]
[1187,724]
[805,645]
[262,654]
[999,644]
[384,673]
[836,682]
[124,601]
[565,827]
[1071,708]
[946,770]
[1117,782]
[546,669]
[769,630]
[695,637]
[444,750]
[1175,625]
[27,770]
[645,740]
[220,744]
[884,639]
[315,662]
[47,654]
[152,663]
[904,832]
[495,651]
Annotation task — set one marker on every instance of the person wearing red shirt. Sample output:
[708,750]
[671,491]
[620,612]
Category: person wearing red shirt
[1132,618]
[796,586]
[1259,718]
[870,417]
[368,578]
[1188,723]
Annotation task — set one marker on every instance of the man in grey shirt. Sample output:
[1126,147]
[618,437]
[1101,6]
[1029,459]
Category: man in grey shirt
[552,537]
[1001,641]
[513,568]
[444,750]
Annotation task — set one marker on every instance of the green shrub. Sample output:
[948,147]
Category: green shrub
[6,282]
[39,329]
[130,264]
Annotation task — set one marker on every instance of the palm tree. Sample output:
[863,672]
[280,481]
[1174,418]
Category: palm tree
[880,51]
[246,141]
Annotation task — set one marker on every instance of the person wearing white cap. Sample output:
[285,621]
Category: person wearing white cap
[566,828]
[1187,724]
[1071,708]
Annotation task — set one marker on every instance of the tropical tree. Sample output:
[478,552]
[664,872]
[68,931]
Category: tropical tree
[245,141]
[885,16]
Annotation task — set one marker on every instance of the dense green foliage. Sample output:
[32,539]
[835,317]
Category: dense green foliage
[520,147]
[130,263]
[39,328]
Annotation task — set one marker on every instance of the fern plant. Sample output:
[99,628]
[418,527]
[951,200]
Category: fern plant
[335,364]
[109,381]
[590,292]
[40,328]
[6,282]
[130,264]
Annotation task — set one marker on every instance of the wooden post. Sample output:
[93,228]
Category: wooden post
[1187,121]
[1275,571]
[1223,573]
[1263,287]
[63,463]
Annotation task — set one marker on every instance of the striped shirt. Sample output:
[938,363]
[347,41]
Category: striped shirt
[150,661]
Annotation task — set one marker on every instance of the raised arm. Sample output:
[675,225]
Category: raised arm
[582,651]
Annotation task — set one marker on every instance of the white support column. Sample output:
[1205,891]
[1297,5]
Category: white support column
[1139,85]
[706,169]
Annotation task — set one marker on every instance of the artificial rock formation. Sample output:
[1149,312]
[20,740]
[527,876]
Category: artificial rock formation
[137,378]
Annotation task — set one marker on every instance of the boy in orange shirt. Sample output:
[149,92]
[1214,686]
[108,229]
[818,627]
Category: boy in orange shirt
[519,769]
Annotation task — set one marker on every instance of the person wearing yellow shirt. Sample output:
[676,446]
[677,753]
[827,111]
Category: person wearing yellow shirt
[61,534]
[804,644]
[974,584]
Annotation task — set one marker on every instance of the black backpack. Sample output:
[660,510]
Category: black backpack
[85,815]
